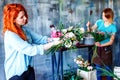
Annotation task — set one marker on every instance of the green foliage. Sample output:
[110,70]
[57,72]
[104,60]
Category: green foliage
[98,37]
[71,74]
[54,48]
[108,73]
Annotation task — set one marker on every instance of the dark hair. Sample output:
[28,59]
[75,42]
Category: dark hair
[108,13]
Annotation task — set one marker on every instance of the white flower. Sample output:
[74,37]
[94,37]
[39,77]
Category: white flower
[77,62]
[89,67]
[64,31]
[71,35]
[80,62]
[68,44]
[82,30]
[70,28]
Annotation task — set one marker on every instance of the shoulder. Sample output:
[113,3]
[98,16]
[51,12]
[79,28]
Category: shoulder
[114,26]
[10,33]
[10,36]
[99,21]
[26,28]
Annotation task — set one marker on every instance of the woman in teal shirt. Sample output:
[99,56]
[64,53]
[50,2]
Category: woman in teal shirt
[21,43]
[104,53]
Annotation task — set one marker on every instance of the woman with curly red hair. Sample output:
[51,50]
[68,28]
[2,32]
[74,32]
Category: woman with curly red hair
[21,43]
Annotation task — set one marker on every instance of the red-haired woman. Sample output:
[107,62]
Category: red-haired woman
[21,43]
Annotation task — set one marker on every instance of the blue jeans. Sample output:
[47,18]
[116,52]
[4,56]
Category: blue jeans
[99,72]
[27,75]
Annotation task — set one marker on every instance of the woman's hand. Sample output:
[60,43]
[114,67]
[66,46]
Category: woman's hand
[57,42]
[88,26]
[102,33]
[49,39]
[50,44]
[98,44]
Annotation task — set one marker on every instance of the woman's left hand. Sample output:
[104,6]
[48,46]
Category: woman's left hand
[49,39]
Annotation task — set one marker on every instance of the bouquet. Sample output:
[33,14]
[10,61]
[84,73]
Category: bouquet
[98,36]
[70,37]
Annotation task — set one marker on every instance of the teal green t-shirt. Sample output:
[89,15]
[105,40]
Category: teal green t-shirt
[111,29]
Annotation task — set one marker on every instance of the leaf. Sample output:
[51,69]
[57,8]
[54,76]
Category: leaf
[53,49]
[108,73]
[94,53]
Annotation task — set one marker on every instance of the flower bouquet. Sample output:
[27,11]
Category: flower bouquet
[70,37]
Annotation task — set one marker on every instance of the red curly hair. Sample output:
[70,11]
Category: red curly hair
[10,13]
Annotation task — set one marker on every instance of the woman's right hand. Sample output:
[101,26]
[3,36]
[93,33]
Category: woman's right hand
[56,42]
[50,44]
[88,24]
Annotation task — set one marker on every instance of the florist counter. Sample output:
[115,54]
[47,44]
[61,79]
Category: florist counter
[57,61]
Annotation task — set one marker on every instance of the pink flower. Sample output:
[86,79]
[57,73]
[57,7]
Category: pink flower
[59,34]
[56,34]
[89,67]
[53,34]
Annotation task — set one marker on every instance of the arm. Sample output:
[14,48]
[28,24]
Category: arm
[23,47]
[108,43]
[49,45]
[112,38]
[93,28]
[36,38]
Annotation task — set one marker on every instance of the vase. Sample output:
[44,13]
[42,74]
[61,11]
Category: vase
[87,75]
[88,40]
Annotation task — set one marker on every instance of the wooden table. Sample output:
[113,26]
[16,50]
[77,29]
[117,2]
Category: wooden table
[57,61]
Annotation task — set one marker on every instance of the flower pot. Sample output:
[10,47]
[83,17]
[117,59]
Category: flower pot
[87,75]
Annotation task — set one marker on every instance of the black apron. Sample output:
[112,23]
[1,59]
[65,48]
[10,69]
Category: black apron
[104,56]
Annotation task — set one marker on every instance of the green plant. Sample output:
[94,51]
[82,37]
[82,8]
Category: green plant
[71,75]
[109,73]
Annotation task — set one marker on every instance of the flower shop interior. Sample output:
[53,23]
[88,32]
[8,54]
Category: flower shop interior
[43,13]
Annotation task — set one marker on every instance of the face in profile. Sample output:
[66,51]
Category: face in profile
[20,19]
[103,16]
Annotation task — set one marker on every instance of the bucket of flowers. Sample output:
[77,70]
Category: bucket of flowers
[85,70]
